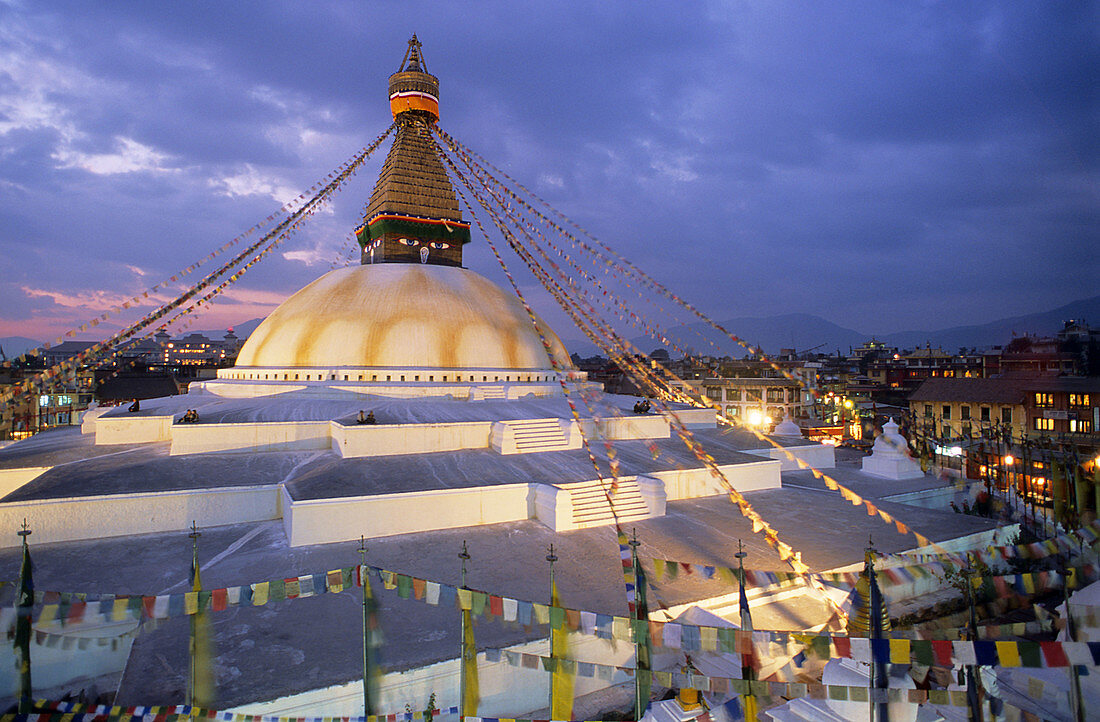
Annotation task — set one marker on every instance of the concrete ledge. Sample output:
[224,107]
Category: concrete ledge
[699,418]
[89,418]
[693,483]
[95,517]
[894,467]
[12,479]
[635,426]
[554,507]
[134,429]
[267,436]
[390,439]
[819,456]
[322,521]
[653,494]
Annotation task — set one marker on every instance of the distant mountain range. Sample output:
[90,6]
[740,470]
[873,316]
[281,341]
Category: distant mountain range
[803,331]
[800,331]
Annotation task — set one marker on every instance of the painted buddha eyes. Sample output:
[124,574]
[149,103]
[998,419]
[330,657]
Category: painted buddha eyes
[439,246]
[410,241]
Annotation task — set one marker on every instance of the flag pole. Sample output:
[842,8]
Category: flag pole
[24,611]
[748,671]
[551,557]
[973,689]
[878,667]
[366,631]
[463,682]
[194,536]
[639,704]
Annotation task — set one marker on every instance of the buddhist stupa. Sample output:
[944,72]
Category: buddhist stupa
[410,317]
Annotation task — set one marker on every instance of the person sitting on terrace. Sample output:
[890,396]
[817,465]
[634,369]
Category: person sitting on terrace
[136,406]
[368,419]
[642,407]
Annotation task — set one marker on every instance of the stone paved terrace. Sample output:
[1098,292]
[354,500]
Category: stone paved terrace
[315,642]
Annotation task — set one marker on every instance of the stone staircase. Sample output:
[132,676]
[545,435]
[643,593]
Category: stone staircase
[489,393]
[538,435]
[591,508]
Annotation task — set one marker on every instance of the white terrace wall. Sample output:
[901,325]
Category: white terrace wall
[819,456]
[94,517]
[136,429]
[321,521]
[389,439]
[692,483]
[12,479]
[268,436]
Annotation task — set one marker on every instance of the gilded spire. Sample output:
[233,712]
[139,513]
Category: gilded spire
[413,214]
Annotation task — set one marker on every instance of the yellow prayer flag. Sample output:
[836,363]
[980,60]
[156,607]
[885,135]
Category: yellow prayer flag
[1008,653]
[899,651]
[465,599]
[118,610]
[259,593]
[190,603]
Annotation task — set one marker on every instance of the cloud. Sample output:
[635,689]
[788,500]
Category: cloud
[250,182]
[129,156]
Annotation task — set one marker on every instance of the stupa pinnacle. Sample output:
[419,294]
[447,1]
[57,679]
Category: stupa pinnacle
[413,214]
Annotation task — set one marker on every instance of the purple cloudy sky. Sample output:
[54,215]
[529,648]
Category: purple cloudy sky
[884,165]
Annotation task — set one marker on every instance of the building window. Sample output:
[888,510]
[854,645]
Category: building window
[1044,424]
[928,411]
[714,392]
[946,431]
[985,413]
[1078,399]
[1043,400]
[946,412]
[733,411]
[776,396]
[964,412]
[1080,426]
[733,394]
[1006,415]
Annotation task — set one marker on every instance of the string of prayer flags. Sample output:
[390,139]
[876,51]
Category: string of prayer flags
[670,635]
[77,712]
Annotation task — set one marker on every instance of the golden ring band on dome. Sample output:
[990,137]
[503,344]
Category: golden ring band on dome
[414,100]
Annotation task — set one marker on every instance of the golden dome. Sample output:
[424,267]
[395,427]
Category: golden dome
[397,314]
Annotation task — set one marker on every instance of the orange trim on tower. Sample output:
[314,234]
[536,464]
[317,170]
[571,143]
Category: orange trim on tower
[402,102]
[438,221]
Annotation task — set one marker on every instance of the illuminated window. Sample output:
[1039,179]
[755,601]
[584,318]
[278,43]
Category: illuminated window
[1044,424]
[1080,426]
[1078,399]
[1043,399]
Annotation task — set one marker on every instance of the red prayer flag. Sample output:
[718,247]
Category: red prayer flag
[220,599]
[843,646]
[1052,652]
[942,649]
